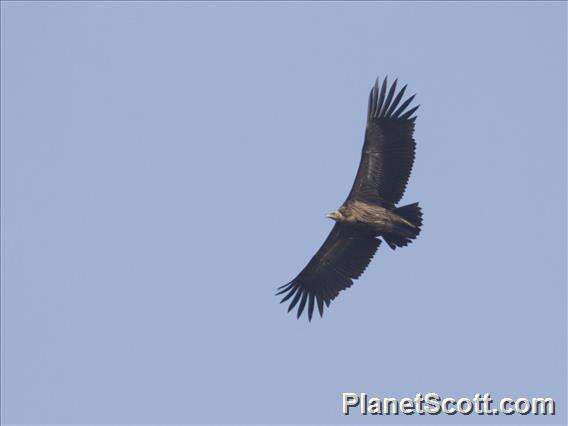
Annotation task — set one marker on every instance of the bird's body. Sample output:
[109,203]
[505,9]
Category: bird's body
[370,211]
[381,220]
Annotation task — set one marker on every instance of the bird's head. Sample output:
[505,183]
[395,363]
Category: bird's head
[335,215]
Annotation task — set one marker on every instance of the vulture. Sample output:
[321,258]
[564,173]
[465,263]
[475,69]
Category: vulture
[370,213]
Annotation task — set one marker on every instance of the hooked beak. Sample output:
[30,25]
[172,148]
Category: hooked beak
[333,215]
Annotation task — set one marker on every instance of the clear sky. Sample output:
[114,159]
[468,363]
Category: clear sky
[166,166]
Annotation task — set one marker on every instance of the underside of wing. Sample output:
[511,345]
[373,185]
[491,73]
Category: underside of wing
[343,257]
[388,151]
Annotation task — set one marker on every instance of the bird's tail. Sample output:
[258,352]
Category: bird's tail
[408,231]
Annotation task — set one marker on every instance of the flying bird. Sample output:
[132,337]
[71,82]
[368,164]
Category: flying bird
[370,213]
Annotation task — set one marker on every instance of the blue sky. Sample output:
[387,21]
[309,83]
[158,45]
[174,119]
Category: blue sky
[166,166]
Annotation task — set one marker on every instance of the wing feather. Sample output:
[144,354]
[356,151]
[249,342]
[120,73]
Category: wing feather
[311,306]
[295,300]
[396,100]
[343,257]
[378,106]
[388,152]
[403,106]
[389,97]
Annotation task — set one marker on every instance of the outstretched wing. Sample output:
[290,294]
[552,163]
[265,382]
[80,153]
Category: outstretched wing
[388,151]
[342,258]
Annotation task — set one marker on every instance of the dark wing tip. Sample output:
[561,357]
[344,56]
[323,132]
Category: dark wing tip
[320,305]
[295,300]
[311,306]
[302,297]
[343,257]
[290,294]
[284,288]
[408,114]
[302,303]
[387,102]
